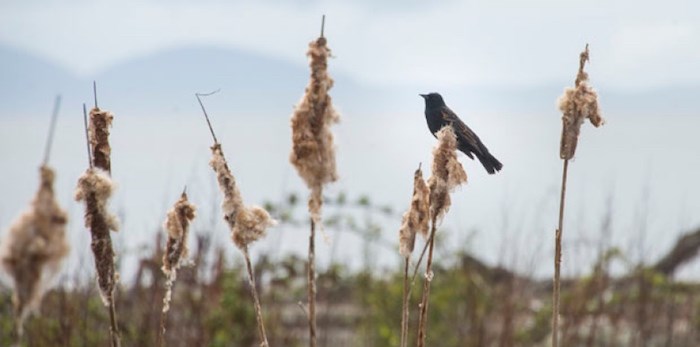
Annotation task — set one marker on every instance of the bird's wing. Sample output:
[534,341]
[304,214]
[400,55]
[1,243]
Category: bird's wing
[465,135]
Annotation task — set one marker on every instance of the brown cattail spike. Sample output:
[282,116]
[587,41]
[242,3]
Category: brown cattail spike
[95,188]
[247,223]
[34,248]
[416,219]
[577,104]
[313,151]
[100,122]
[177,225]
[447,173]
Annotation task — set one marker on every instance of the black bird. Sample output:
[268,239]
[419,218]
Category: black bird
[439,115]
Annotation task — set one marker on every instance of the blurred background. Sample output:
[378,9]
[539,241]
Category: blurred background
[500,65]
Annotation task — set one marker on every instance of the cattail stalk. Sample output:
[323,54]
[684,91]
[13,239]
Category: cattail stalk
[313,152]
[447,174]
[35,244]
[576,104]
[415,220]
[95,187]
[34,248]
[177,226]
[246,223]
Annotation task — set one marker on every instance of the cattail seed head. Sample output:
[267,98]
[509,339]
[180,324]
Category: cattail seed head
[247,223]
[95,187]
[313,151]
[577,104]
[416,219]
[34,247]
[100,122]
[176,225]
[447,173]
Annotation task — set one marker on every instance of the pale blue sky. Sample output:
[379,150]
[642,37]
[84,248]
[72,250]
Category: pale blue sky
[637,44]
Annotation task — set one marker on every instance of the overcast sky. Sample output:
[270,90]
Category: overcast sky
[635,44]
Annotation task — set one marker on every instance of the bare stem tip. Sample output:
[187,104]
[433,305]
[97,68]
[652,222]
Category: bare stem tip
[323,24]
[94,92]
[52,127]
[206,116]
[87,135]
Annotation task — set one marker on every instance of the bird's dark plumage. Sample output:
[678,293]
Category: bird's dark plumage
[439,115]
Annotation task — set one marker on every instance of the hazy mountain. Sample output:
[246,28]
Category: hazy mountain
[165,82]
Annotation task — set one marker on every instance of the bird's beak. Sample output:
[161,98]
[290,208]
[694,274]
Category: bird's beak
[425,96]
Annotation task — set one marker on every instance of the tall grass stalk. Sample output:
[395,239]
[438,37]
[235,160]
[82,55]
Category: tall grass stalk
[447,174]
[576,104]
[176,225]
[35,244]
[313,152]
[95,187]
[247,224]
[415,221]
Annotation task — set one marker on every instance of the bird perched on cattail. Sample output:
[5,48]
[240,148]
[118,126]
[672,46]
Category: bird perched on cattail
[439,115]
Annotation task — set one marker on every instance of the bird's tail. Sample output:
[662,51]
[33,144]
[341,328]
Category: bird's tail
[490,163]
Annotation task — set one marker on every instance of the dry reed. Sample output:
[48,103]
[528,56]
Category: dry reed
[95,187]
[34,248]
[313,152]
[576,104]
[100,122]
[247,224]
[177,226]
[447,174]
[415,220]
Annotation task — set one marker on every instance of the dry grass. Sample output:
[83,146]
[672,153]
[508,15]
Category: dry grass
[34,247]
[313,152]
[577,104]
[447,174]
[414,221]
[95,187]
[247,224]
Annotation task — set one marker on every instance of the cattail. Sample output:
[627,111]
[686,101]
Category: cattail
[577,104]
[95,187]
[247,223]
[177,225]
[100,122]
[447,173]
[416,219]
[313,152]
[34,248]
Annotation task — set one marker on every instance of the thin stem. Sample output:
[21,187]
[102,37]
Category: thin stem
[557,259]
[323,24]
[405,311]
[94,93]
[206,116]
[312,285]
[52,128]
[161,335]
[113,329]
[87,135]
[423,319]
[256,300]
[420,260]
